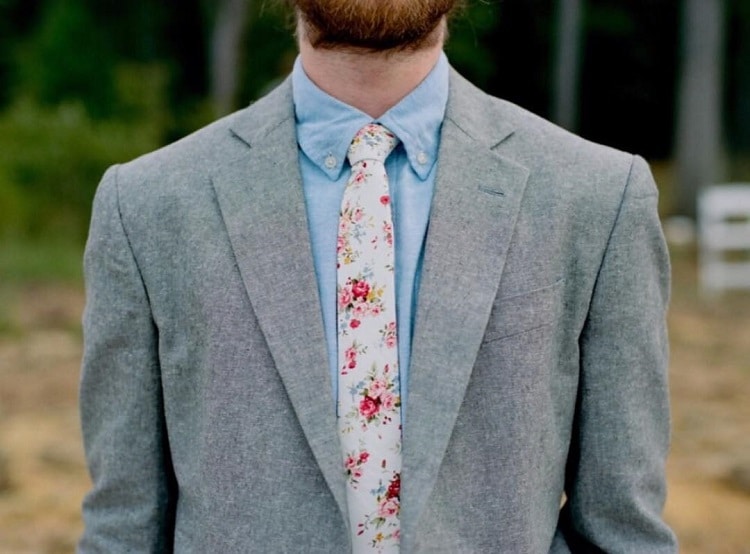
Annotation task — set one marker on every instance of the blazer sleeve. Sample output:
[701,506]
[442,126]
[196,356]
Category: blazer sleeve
[131,504]
[615,483]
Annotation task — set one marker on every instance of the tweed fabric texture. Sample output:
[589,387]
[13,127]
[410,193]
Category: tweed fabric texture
[538,365]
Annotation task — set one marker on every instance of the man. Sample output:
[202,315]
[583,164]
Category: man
[531,280]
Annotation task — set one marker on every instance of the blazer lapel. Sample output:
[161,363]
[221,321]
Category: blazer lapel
[477,197]
[474,209]
[261,200]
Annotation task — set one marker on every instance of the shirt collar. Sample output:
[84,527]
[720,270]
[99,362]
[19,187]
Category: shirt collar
[326,126]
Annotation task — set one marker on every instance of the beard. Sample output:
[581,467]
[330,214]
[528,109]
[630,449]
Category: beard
[376,25]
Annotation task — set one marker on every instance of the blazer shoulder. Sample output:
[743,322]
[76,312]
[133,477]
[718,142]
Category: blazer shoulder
[529,138]
[586,180]
[558,160]
[175,167]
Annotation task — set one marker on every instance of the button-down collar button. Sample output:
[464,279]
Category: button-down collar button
[330,161]
[422,158]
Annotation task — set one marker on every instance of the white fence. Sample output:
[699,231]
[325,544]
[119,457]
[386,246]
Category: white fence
[724,237]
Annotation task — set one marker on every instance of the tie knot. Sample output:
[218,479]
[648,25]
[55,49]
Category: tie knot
[372,142]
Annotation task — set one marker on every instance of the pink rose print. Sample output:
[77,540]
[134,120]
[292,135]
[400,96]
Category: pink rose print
[388,401]
[389,507]
[384,519]
[368,407]
[357,299]
[351,354]
[360,310]
[394,488]
[377,388]
[345,297]
[350,359]
[360,289]
[378,399]
[388,334]
[388,232]
[353,466]
[368,392]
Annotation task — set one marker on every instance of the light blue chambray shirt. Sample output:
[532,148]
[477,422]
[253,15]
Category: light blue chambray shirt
[325,127]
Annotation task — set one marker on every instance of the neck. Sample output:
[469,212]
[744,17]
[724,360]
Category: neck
[372,82]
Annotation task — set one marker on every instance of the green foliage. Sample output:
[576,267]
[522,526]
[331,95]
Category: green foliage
[24,261]
[269,50]
[473,24]
[68,58]
[52,157]
[88,83]
[614,21]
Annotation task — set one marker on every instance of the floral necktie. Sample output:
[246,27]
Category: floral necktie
[369,397]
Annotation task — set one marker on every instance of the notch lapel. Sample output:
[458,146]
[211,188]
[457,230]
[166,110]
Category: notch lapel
[261,200]
[476,202]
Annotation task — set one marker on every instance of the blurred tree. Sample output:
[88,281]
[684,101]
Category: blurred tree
[469,44]
[186,37]
[568,50]
[230,24]
[699,135]
[520,43]
[737,118]
[68,57]
[16,18]
[628,74]
[157,69]
[51,159]
[270,49]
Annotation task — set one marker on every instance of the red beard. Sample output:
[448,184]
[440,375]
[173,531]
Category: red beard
[377,25]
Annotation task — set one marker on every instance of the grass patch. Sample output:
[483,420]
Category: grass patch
[39,261]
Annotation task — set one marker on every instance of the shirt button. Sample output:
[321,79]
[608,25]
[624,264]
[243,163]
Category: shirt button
[422,158]
[330,162]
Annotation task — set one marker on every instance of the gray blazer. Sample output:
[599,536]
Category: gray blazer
[538,371]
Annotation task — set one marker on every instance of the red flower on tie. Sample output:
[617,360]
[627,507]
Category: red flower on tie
[388,508]
[394,488]
[360,289]
[368,407]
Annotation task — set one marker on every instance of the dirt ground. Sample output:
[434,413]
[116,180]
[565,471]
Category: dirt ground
[43,477]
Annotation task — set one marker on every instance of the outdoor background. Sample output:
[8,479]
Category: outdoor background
[87,83]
